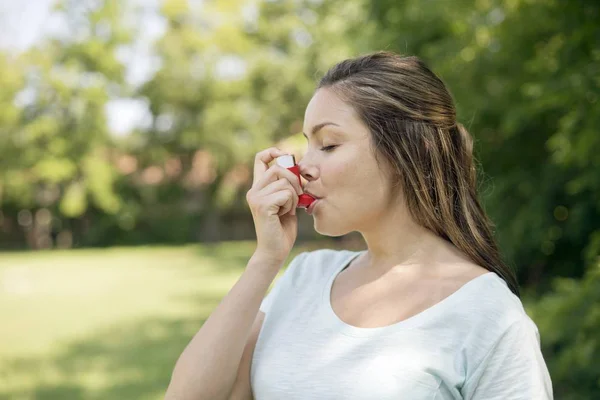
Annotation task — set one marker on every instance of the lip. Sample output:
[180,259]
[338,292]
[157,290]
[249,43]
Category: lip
[312,195]
[312,206]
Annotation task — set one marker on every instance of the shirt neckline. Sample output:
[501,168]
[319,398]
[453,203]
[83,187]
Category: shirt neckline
[408,323]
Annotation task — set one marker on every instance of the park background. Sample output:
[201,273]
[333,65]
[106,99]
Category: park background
[128,131]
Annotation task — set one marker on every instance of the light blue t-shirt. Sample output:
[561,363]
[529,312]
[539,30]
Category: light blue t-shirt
[478,343]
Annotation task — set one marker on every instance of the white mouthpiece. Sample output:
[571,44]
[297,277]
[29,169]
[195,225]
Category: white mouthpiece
[286,161]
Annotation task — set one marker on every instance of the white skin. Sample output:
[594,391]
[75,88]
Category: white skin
[356,196]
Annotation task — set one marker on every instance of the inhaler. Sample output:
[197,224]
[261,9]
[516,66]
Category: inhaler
[289,162]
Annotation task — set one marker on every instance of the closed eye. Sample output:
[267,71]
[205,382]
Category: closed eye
[328,148]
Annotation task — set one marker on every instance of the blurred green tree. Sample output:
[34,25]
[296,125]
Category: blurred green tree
[569,321]
[235,78]
[525,78]
[58,146]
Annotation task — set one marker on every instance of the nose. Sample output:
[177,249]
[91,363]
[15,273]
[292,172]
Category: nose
[307,169]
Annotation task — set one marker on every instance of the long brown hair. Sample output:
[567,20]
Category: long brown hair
[412,119]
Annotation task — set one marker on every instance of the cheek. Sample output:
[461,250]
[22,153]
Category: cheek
[370,187]
[336,175]
[354,185]
[352,172]
[366,175]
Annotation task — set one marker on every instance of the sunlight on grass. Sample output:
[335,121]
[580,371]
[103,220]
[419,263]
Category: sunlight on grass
[106,323]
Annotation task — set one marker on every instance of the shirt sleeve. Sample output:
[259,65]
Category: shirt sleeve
[514,369]
[282,284]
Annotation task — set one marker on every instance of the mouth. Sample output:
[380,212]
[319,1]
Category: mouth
[311,195]
[310,208]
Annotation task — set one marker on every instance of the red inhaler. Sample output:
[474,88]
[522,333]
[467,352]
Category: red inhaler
[289,162]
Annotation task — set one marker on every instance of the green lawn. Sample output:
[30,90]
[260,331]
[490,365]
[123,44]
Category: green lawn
[106,323]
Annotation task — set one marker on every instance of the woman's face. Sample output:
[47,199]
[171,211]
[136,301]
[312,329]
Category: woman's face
[354,191]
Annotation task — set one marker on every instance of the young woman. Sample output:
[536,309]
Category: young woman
[428,311]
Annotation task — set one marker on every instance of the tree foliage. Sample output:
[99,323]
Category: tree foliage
[525,76]
[234,77]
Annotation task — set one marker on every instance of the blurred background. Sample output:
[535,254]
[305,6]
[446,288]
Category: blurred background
[127,136]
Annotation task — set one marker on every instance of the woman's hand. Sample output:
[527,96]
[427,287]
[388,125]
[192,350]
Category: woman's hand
[273,199]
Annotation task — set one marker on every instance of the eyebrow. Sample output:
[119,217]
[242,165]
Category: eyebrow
[318,127]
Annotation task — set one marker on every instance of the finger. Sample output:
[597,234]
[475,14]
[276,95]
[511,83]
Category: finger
[294,205]
[262,160]
[296,201]
[287,207]
[279,200]
[295,197]
[276,172]
[278,185]
[254,195]
[282,184]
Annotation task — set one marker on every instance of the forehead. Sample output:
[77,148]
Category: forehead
[326,106]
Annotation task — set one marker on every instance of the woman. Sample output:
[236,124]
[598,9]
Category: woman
[428,311]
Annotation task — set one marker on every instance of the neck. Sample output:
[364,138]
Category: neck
[396,241]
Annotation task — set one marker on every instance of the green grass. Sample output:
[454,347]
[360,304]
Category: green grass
[108,323]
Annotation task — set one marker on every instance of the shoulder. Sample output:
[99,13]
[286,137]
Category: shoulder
[496,300]
[491,317]
[491,311]
[481,299]
[327,256]
[322,256]
[316,265]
